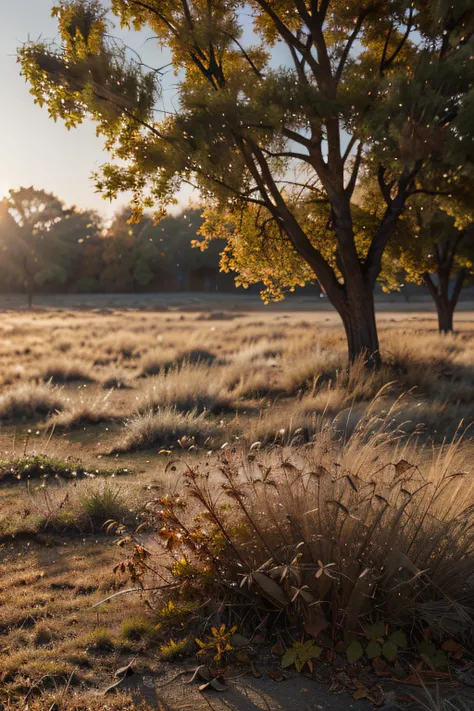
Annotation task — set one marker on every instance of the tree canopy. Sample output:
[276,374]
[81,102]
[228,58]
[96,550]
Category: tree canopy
[366,88]
[40,239]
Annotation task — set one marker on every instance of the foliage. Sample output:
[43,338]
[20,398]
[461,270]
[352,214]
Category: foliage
[367,89]
[40,239]
[379,644]
[301,654]
[174,649]
[75,253]
[218,643]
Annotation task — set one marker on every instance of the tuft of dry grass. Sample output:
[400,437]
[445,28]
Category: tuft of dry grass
[30,400]
[163,427]
[65,371]
[191,387]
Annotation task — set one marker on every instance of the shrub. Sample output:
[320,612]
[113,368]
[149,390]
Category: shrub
[173,650]
[335,536]
[30,400]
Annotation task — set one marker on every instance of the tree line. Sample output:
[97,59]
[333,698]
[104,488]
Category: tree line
[45,245]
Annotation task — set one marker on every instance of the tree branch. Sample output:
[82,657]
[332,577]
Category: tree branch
[348,47]
[355,171]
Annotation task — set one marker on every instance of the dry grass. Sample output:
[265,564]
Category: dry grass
[190,385]
[30,401]
[342,533]
[165,427]
[66,371]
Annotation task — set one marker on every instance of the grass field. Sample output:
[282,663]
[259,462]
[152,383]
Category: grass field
[96,403]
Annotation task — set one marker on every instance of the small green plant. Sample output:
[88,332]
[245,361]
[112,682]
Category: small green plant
[434,657]
[100,640]
[171,650]
[380,644]
[218,643]
[137,629]
[104,503]
[301,654]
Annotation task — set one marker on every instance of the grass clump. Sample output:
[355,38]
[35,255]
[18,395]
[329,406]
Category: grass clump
[165,427]
[103,503]
[44,467]
[30,400]
[100,640]
[191,387]
[335,536]
[66,372]
[137,629]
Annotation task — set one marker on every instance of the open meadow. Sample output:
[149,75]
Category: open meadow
[228,451]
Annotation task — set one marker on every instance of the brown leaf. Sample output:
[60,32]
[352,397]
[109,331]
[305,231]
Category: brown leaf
[361,693]
[278,649]
[451,646]
[402,466]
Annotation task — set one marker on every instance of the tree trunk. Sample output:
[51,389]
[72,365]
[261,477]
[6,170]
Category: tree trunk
[445,306]
[358,317]
[445,315]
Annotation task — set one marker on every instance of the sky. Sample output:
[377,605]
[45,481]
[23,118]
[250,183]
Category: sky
[33,149]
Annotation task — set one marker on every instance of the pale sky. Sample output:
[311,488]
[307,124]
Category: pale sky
[36,151]
[33,149]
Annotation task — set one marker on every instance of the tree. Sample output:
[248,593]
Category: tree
[436,247]
[40,239]
[130,255]
[378,86]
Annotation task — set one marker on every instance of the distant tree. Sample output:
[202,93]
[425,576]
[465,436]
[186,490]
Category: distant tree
[384,86]
[130,253]
[436,248]
[40,240]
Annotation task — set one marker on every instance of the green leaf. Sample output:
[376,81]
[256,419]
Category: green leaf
[271,590]
[289,657]
[354,652]
[299,664]
[439,660]
[315,651]
[427,649]
[389,651]
[399,638]
[373,650]
[375,631]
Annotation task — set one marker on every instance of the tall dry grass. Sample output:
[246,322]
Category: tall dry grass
[352,529]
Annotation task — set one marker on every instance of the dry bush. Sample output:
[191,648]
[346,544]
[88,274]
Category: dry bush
[164,427]
[191,387]
[336,535]
[30,400]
